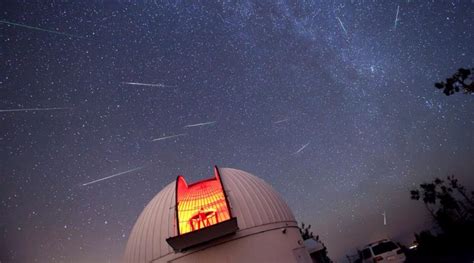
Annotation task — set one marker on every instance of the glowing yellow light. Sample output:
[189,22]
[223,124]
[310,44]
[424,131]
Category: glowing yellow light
[200,205]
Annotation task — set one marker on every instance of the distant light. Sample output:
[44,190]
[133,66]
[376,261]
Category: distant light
[413,246]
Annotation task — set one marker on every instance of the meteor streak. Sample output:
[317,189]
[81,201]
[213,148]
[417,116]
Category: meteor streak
[302,148]
[200,124]
[168,137]
[280,121]
[342,25]
[33,109]
[114,175]
[147,84]
[38,28]
[396,18]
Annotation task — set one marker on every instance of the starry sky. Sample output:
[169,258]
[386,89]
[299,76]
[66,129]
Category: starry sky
[331,102]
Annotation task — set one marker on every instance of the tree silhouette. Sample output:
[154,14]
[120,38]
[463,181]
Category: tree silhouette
[453,211]
[443,202]
[462,80]
[305,233]
[453,182]
[321,255]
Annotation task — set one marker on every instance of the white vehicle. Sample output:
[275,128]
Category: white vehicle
[382,251]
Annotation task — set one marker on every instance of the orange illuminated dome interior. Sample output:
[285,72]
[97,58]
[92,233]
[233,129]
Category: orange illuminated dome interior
[201,204]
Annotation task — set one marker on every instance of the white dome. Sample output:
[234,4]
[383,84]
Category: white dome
[252,201]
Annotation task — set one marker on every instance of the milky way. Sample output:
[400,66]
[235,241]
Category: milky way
[250,83]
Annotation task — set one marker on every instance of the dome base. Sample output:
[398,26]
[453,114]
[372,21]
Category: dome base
[191,239]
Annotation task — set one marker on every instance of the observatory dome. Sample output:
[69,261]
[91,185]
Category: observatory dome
[256,207]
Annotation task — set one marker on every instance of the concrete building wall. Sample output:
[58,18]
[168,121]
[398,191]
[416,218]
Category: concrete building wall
[270,246]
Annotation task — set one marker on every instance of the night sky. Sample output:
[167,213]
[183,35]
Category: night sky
[332,103]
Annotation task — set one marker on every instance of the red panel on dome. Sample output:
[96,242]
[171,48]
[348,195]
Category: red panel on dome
[201,204]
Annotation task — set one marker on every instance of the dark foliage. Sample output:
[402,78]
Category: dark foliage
[462,80]
[453,211]
[305,233]
[321,256]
